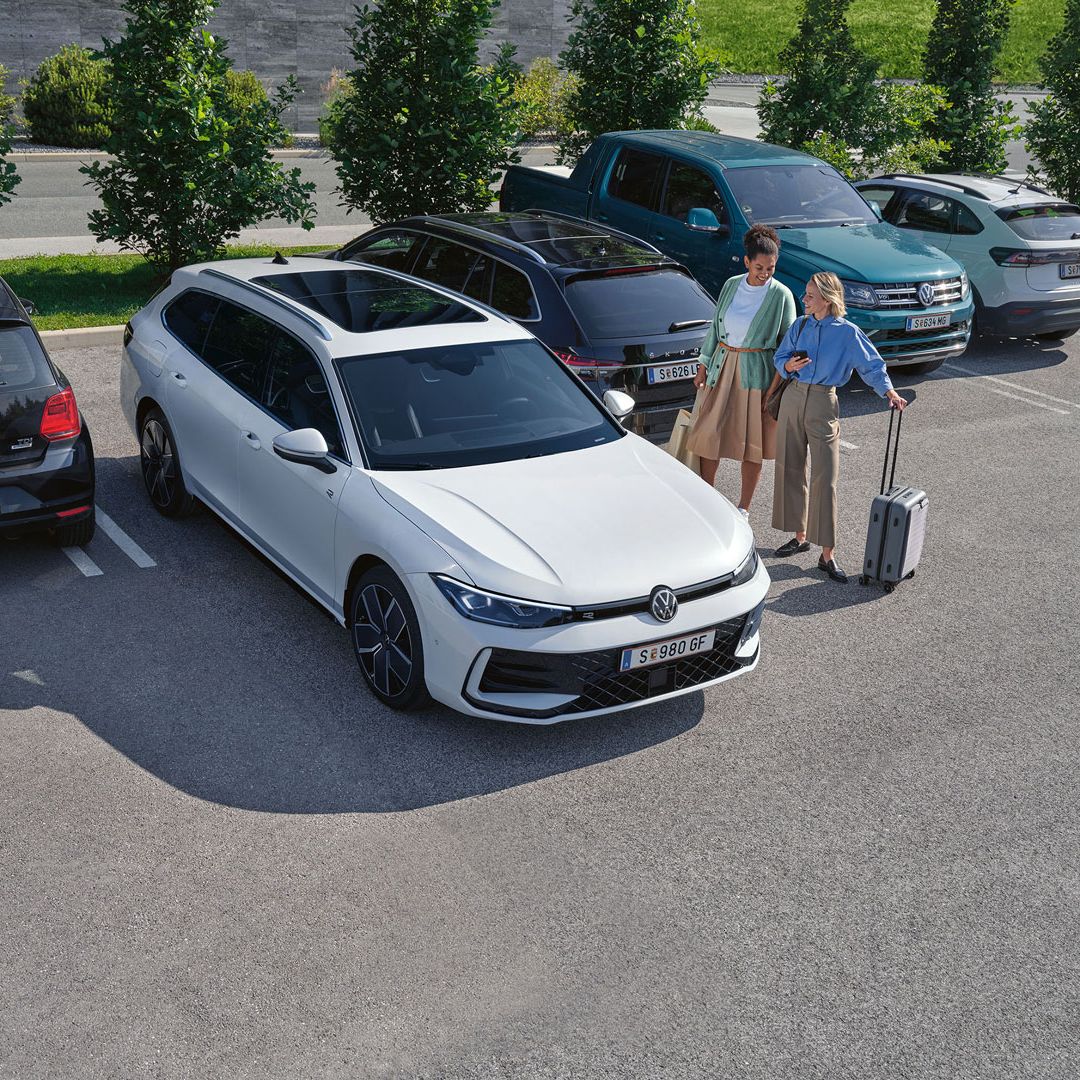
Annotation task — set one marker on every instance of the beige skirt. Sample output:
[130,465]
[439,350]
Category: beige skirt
[728,421]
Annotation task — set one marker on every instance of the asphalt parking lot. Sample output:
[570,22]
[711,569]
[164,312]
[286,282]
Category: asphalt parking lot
[222,858]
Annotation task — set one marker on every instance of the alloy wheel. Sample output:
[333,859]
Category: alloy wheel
[382,641]
[158,463]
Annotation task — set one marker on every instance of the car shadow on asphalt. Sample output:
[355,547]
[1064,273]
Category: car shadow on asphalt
[1003,356]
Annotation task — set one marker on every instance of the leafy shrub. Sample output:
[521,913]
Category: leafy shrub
[424,128]
[333,90]
[8,177]
[540,97]
[697,122]
[1053,132]
[964,43]
[65,101]
[189,170]
[244,90]
[638,64]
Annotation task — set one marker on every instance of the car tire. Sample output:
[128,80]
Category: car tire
[1057,335]
[77,533]
[160,466]
[386,640]
[921,369]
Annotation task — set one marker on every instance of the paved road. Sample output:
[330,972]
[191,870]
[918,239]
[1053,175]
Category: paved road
[220,858]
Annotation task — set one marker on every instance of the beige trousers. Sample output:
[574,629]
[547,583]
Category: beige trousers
[809,418]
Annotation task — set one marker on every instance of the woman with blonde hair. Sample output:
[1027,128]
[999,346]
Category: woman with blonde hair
[820,352]
[752,315]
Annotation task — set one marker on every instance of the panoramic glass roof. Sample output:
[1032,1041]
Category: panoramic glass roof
[361,301]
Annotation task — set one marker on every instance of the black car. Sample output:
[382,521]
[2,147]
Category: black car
[46,456]
[621,314]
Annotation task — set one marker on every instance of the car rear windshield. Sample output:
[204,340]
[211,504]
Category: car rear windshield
[22,363]
[616,304]
[1048,221]
[469,405]
[797,196]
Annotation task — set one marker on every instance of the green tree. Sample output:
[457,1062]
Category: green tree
[636,64]
[423,128]
[964,43]
[65,101]
[9,178]
[829,90]
[1053,132]
[190,169]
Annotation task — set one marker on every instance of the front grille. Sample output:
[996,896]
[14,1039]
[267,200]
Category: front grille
[906,294]
[594,679]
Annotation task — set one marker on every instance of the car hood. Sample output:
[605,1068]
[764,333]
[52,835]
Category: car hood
[873,253]
[586,527]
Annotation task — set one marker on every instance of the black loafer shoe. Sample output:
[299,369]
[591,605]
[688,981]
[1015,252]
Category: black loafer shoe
[832,570]
[792,547]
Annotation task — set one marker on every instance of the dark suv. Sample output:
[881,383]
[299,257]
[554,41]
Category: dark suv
[621,314]
[46,457]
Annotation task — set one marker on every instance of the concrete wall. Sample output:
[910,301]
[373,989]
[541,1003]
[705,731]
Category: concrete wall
[274,38]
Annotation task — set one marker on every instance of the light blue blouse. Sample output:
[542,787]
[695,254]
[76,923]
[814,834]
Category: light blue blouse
[836,348]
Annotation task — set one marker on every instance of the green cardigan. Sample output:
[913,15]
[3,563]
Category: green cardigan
[766,331]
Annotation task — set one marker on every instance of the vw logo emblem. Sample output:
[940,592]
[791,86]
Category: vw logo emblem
[926,294]
[663,603]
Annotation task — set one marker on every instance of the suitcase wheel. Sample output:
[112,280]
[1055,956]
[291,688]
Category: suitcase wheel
[889,586]
[910,575]
[863,579]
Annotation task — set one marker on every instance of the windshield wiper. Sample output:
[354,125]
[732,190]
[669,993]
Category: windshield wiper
[687,324]
[401,466]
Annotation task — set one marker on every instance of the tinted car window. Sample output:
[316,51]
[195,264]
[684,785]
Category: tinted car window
[22,364]
[238,346]
[390,250]
[470,405]
[296,392]
[189,317]
[689,188]
[632,305]
[797,196]
[512,293]
[1051,221]
[967,224]
[634,176]
[925,211]
[454,266]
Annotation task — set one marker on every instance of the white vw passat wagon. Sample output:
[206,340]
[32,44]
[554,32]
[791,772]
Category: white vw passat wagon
[443,485]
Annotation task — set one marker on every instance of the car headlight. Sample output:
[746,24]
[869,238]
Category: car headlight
[499,610]
[747,570]
[964,285]
[860,295]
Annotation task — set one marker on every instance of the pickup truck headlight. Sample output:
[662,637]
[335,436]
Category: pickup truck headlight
[860,295]
[747,570]
[964,285]
[499,610]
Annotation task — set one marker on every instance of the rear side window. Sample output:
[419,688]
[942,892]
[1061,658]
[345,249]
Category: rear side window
[925,211]
[1050,221]
[238,347]
[189,317]
[512,293]
[22,364]
[634,176]
[967,224]
[636,305]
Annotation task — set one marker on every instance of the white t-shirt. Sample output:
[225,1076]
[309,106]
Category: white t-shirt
[744,306]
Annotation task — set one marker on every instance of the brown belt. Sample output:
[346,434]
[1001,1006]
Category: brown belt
[736,348]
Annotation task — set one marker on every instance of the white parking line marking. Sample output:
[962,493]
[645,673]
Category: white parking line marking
[1016,397]
[1012,385]
[848,445]
[123,541]
[87,566]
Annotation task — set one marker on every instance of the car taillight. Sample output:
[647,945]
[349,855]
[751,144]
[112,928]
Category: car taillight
[128,335]
[1031,256]
[60,420]
[585,366]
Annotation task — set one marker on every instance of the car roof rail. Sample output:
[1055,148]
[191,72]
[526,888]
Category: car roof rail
[606,229]
[482,234]
[929,178]
[282,301]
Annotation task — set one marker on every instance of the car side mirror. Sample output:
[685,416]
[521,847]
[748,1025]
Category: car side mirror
[29,305]
[618,403]
[700,219]
[305,446]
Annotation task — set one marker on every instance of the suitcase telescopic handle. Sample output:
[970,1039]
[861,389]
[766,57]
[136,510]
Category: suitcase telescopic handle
[895,448]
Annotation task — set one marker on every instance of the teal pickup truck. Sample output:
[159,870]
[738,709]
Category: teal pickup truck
[693,194]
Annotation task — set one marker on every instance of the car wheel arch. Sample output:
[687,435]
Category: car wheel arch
[361,565]
[146,405]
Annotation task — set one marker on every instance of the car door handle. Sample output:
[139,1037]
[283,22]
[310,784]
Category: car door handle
[252,440]
[179,379]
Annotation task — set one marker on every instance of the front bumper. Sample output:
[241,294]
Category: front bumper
[33,496]
[898,345]
[562,672]
[1024,318]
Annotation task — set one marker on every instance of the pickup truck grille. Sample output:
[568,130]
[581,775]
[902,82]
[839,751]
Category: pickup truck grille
[906,294]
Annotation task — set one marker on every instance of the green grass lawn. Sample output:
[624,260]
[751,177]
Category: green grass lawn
[750,33]
[95,290]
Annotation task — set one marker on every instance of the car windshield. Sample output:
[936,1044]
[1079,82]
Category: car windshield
[1050,221]
[22,365]
[797,196]
[614,304]
[474,404]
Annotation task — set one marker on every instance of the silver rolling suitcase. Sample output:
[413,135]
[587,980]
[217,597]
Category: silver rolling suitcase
[894,540]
